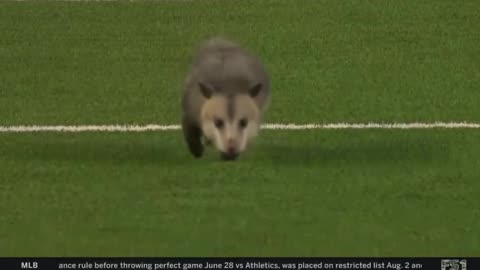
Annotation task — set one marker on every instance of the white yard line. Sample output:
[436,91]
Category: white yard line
[156,127]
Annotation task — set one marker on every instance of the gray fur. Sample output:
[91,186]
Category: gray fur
[230,106]
[225,68]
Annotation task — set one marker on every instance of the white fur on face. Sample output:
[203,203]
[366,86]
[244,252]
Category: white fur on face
[215,109]
[212,134]
[248,134]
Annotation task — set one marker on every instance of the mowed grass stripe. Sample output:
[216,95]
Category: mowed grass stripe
[330,61]
[344,193]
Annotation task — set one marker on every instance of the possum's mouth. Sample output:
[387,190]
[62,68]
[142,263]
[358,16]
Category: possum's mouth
[228,156]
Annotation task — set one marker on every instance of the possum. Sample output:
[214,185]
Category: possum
[225,96]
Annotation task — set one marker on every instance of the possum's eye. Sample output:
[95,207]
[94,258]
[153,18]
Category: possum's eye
[218,123]
[243,123]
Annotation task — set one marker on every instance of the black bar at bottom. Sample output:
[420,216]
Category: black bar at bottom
[149,263]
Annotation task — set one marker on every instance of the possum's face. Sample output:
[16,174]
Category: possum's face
[230,122]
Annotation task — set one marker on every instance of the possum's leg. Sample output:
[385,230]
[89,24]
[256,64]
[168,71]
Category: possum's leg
[193,136]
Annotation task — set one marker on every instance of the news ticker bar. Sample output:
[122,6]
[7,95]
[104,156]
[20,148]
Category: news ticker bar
[150,263]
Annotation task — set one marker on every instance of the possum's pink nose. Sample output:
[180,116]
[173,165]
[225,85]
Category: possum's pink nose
[231,152]
[231,146]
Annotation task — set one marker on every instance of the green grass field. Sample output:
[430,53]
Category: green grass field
[295,193]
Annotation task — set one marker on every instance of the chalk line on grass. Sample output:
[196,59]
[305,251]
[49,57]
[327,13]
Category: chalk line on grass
[273,126]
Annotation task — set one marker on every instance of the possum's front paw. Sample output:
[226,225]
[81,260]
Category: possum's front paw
[196,149]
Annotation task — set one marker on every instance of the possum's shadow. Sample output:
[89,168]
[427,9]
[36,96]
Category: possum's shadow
[359,151]
[100,150]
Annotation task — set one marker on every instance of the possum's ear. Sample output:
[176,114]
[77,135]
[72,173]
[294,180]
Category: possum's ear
[206,91]
[255,90]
